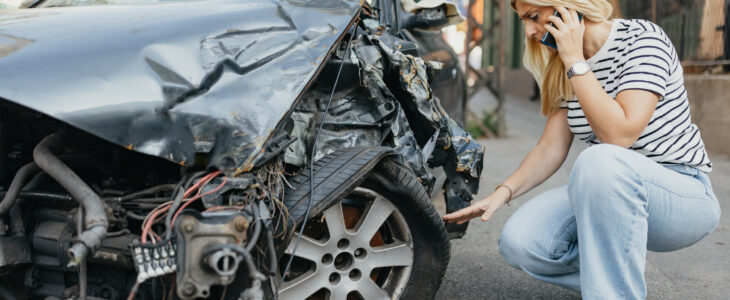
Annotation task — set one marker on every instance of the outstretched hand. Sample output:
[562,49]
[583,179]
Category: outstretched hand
[484,208]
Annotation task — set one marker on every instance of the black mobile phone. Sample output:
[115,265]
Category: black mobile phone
[548,39]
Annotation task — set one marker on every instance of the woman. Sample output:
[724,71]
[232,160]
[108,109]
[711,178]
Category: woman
[643,183]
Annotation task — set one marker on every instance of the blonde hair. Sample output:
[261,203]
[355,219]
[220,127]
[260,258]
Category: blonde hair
[545,65]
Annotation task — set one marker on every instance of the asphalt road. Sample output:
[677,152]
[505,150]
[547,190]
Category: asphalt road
[478,271]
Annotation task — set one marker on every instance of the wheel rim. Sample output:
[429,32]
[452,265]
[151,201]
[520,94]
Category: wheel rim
[370,259]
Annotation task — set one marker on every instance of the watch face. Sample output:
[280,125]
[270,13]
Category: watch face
[581,68]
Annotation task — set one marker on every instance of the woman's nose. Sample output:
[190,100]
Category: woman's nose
[531,30]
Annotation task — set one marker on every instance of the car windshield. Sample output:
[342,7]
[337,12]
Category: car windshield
[12,4]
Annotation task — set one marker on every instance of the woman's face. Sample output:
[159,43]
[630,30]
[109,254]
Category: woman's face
[534,18]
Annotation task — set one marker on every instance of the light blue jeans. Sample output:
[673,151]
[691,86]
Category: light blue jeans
[592,234]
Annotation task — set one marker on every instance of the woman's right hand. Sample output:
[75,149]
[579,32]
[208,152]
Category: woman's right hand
[484,208]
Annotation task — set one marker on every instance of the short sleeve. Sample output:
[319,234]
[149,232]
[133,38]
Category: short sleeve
[648,64]
[564,104]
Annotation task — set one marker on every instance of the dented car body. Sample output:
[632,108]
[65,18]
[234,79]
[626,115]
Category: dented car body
[210,147]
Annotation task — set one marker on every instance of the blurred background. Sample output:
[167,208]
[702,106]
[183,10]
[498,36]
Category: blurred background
[490,49]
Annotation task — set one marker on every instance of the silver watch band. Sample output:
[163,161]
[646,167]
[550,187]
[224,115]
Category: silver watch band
[579,68]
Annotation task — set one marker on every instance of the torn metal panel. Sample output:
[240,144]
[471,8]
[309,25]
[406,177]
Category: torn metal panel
[172,80]
[363,112]
[413,78]
[468,152]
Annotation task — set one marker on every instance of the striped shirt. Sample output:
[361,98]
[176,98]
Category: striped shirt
[639,55]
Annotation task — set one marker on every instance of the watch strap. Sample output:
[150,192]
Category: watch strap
[579,68]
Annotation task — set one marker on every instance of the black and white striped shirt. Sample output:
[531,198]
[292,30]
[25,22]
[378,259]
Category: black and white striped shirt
[639,55]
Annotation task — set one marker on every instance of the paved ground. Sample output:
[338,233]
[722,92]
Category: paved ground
[477,270]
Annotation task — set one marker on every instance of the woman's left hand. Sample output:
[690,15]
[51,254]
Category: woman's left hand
[568,33]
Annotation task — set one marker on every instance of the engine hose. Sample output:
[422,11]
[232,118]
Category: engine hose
[18,182]
[95,216]
[272,253]
[255,237]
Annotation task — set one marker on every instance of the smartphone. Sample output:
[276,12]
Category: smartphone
[548,39]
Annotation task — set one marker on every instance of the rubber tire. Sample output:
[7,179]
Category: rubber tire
[430,240]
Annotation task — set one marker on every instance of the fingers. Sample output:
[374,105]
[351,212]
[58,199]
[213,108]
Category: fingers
[487,214]
[462,215]
[557,22]
[554,31]
[565,14]
[574,13]
[566,23]
[458,214]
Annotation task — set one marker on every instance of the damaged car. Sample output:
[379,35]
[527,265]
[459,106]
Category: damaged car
[250,149]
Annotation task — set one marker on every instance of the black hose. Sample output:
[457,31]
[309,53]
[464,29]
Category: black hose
[256,227]
[255,237]
[156,201]
[177,200]
[42,196]
[272,253]
[173,207]
[135,216]
[149,191]
[118,233]
[95,220]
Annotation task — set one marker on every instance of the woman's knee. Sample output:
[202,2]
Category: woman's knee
[527,237]
[600,161]
[598,169]
[513,245]
[537,249]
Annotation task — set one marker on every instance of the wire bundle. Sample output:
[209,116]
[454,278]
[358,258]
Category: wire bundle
[160,212]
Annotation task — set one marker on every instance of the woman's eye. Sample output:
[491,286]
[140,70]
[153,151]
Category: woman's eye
[534,18]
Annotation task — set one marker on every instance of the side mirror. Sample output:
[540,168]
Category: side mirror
[427,18]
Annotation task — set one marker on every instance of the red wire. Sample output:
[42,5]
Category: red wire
[151,219]
[200,183]
[198,196]
[159,212]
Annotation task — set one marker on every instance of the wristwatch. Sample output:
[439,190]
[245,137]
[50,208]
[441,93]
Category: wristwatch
[578,69]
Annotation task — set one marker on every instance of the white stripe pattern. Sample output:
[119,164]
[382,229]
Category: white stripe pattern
[639,55]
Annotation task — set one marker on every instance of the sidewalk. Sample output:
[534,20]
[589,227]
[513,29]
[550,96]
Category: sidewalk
[477,270]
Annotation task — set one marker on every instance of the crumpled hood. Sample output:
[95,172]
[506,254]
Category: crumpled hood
[171,80]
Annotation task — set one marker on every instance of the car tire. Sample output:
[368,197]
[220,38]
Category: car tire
[406,258]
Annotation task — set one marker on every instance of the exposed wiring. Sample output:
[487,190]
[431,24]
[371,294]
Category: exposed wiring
[167,209]
[172,288]
[198,196]
[311,164]
[134,290]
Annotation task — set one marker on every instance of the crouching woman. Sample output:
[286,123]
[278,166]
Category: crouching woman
[642,185]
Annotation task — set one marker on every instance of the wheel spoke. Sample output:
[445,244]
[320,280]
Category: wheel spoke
[391,255]
[337,293]
[301,287]
[378,212]
[335,221]
[369,290]
[308,248]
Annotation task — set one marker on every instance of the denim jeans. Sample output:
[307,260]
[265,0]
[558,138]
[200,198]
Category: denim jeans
[592,234]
